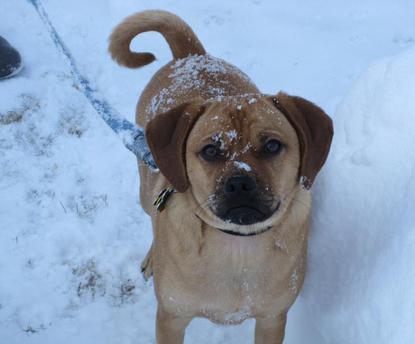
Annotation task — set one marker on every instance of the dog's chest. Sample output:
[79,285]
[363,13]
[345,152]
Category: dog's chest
[227,283]
[223,296]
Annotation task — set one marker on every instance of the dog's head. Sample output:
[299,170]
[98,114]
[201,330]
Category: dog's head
[242,158]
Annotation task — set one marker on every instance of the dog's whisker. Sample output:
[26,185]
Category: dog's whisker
[200,206]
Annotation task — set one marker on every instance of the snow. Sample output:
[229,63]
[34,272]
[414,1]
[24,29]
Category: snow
[232,134]
[72,234]
[185,75]
[367,286]
[242,165]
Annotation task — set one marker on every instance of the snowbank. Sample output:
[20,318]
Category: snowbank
[360,285]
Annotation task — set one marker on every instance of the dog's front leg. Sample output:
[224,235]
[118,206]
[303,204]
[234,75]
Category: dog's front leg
[170,328]
[270,330]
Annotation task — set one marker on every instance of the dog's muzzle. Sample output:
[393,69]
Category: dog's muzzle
[240,201]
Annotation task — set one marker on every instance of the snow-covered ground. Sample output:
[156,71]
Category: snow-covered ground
[72,233]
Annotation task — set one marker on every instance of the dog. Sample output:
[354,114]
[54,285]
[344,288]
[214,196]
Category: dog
[235,170]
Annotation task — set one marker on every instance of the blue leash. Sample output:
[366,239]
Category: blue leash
[132,136]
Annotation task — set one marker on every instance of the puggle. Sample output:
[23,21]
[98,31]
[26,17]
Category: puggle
[235,171]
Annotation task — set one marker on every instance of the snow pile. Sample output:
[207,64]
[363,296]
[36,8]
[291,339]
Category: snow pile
[360,285]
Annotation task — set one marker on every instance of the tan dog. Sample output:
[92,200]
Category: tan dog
[231,243]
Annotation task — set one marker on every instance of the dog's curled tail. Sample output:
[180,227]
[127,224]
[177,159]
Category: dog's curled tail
[180,37]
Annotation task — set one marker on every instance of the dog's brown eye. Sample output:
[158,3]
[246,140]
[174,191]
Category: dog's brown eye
[210,153]
[272,146]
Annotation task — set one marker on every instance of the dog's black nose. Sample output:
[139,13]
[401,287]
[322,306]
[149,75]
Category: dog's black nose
[240,185]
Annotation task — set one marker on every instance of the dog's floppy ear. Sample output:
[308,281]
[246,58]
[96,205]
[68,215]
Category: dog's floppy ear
[314,130]
[166,136]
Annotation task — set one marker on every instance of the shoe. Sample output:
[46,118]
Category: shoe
[10,60]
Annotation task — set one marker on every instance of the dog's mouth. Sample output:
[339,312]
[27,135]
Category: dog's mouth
[244,215]
[242,220]
[227,231]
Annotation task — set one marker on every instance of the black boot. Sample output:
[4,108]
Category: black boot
[10,60]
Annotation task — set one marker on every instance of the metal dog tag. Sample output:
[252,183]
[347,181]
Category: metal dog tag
[161,199]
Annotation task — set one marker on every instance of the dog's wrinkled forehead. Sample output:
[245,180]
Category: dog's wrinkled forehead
[238,123]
